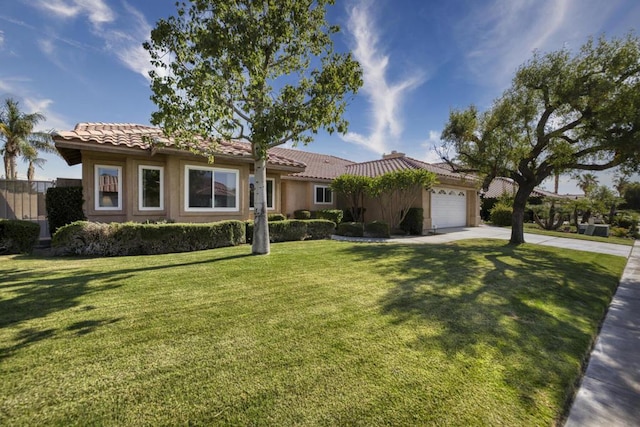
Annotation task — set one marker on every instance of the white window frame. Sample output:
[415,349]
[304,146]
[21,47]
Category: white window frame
[213,171]
[315,195]
[273,193]
[141,169]
[96,190]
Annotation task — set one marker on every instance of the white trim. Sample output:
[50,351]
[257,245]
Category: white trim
[141,168]
[273,193]
[213,171]
[96,189]
[315,194]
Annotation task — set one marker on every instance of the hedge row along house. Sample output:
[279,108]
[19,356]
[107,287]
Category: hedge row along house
[125,178]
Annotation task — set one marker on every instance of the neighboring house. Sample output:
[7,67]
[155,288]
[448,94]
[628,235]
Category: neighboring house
[501,185]
[126,178]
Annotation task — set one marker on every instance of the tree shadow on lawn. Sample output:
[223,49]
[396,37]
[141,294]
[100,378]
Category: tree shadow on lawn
[25,296]
[533,313]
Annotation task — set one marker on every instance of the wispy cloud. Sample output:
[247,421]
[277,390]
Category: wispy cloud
[500,36]
[384,97]
[431,145]
[97,10]
[1,39]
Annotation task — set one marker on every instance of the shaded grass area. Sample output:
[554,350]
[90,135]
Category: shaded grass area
[535,229]
[317,333]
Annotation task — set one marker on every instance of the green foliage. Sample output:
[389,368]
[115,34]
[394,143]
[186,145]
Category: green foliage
[18,236]
[334,215]
[302,214]
[276,217]
[262,72]
[320,229]
[397,191]
[501,215]
[64,206]
[353,188]
[121,239]
[377,229]
[550,215]
[292,230]
[350,229]
[632,195]
[348,214]
[413,221]
[628,220]
[564,112]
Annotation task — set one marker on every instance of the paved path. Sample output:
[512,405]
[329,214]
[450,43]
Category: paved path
[609,394]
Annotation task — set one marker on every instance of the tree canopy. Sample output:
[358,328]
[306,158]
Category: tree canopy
[261,71]
[563,112]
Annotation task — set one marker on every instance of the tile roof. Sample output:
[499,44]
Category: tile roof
[390,164]
[137,136]
[501,185]
[319,166]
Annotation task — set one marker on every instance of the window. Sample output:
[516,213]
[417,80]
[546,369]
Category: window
[209,189]
[252,185]
[108,188]
[150,188]
[323,195]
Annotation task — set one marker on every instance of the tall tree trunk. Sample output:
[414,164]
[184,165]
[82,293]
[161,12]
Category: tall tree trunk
[261,245]
[556,183]
[517,220]
[31,172]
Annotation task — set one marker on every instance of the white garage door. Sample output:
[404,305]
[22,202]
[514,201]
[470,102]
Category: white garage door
[448,207]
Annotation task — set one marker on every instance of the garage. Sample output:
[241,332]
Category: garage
[448,207]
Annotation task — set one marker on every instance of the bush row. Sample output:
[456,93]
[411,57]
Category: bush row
[64,206]
[120,239]
[334,215]
[18,236]
[292,230]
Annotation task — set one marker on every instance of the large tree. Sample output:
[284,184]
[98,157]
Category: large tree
[19,139]
[563,112]
[262,71]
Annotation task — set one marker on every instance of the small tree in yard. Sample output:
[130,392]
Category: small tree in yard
[353,188]
[562,113]
[550,215]
[261,71]
[397,191]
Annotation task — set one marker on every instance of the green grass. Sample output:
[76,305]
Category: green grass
[535,229]
[317,333]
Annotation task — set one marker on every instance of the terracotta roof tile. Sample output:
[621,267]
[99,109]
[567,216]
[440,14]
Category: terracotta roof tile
[380,167]
[501,185]
[135,136]
[319,166]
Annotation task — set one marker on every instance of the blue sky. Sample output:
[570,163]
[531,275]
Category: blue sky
[82,61]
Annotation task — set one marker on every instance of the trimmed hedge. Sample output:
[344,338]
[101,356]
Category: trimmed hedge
[350,229]
[377,229]
[17,236]
[276,217]
[120,239]
[413,222]
[295,229]
[501,215]
[302,214]
[334,215]
[64,206]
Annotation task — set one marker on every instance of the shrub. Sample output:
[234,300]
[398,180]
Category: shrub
[276,217]
[377,229]
[64,206]
[302,214]
[350,229]
[413,221]
[619,232]
[320,229]
[334,215]
[501,214]
[287,231]
[348,215]
[119,239]
[626,220]
[17,236]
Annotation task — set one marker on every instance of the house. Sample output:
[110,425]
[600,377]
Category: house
[127,178]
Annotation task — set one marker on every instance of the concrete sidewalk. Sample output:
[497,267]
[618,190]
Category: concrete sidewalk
[610,391]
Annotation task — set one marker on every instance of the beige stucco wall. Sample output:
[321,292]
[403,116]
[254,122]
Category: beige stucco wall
[174,184]
[299,194]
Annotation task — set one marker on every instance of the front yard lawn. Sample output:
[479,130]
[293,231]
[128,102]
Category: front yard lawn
[536,229]
[317,333]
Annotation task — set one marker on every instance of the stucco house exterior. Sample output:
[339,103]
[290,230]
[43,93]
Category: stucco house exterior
[126,178]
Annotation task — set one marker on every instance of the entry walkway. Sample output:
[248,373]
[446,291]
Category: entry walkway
[609,394]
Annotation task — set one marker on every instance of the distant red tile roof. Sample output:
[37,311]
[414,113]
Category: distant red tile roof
[400,162]
[135,136]
[319,166]
[501,185]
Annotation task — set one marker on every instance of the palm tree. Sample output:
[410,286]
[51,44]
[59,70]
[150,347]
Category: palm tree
[30,155]
[620,183]
[587,182]
[16,131]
